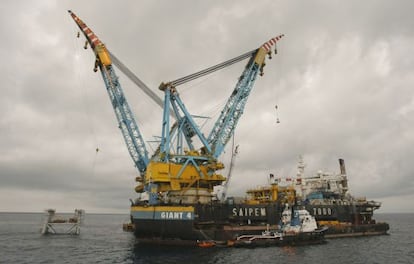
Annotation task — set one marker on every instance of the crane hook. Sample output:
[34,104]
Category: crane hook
[261,69]
[95,68]
[277,118]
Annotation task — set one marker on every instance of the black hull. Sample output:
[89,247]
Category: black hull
[224,222]
[180,231]
[357,230]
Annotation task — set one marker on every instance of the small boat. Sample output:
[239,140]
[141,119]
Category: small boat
[267,238]
[298,227]
[206,243]
[128,227]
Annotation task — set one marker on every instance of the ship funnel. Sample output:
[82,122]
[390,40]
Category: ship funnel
[344,181]
[342,166]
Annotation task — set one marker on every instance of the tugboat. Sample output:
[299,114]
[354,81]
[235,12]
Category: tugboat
[301,229]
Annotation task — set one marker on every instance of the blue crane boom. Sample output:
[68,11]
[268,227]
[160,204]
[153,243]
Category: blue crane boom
[195,170]
[225,125]
[126,121]
[230,115]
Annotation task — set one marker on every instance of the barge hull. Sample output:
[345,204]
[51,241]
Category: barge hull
[223,222]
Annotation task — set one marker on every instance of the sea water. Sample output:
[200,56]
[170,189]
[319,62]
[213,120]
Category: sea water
[102,241]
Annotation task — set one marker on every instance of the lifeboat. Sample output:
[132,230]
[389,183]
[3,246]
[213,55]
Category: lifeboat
[206,243]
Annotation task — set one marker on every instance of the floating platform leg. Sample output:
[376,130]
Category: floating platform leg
[54,224]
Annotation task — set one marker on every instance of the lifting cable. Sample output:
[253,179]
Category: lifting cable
[136,80]
[125,70]
[276,95]
[212,69]
[87,109]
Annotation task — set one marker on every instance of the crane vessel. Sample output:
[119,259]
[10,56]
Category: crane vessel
[175,201]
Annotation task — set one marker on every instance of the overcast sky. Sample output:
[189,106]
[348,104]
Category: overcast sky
[342,80]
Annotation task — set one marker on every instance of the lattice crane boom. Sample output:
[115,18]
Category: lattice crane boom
[126,121]
[233,110]
[225,125]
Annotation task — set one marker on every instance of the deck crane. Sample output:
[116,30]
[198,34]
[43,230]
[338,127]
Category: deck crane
[178,171]
[204,159]
[226,123]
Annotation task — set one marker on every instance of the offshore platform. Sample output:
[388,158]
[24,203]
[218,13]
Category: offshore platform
[57,224]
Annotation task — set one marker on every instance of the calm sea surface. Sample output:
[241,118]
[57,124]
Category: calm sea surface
[103,241]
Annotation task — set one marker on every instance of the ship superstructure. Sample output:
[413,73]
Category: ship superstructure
[326,196]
